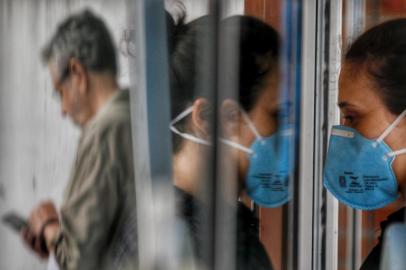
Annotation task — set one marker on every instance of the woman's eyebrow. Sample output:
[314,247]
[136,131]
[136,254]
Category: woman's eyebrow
[345,104]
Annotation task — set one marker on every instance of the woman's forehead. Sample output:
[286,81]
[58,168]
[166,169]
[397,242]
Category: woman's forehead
[356,87]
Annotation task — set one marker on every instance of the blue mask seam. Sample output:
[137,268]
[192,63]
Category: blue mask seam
[348,203]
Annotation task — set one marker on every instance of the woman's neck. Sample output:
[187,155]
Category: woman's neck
[188,167]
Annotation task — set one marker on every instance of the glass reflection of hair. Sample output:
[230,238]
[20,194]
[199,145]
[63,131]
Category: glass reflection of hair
[259,50]
[259,47]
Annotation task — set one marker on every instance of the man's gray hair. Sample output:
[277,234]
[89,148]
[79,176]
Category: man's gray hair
[85,37]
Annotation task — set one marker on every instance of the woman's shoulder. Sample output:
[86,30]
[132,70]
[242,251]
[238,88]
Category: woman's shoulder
[374,257]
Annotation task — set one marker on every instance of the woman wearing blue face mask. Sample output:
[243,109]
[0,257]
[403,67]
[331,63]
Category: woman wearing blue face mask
[246,120]
[366,163]
[249,124]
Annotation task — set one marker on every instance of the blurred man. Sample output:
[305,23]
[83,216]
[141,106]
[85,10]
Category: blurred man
[94,228]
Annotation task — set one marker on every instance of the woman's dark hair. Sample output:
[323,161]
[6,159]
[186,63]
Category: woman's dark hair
[259,52]
[185,44]
[382,51]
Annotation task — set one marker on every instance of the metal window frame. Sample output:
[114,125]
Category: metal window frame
[318,212]
[149,90]
[330,85]
[306,181]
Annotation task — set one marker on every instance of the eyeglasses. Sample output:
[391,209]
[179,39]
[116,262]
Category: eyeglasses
[64,75]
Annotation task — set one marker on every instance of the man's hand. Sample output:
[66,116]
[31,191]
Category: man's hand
[43,226]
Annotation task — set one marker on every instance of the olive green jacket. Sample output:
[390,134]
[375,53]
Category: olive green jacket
[97,214]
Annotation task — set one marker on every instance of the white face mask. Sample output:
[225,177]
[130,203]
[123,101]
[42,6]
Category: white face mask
[198,140]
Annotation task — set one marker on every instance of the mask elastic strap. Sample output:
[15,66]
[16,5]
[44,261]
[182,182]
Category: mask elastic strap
[182,115]
[204,142]
[237,146]
[189,137]
[186,135]
[251,125]
[253,129]
[397,153]
[391,127]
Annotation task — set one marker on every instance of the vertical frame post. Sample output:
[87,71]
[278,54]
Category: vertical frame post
[150,112]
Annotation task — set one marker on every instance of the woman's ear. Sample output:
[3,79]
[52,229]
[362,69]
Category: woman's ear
[79,75]
[230,118]
[200,117]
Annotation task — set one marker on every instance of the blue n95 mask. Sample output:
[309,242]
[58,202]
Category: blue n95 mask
[270,167]
[267,179]
[358,171]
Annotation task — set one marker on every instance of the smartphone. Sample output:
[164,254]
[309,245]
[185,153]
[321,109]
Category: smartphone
[15,221]
[17,224]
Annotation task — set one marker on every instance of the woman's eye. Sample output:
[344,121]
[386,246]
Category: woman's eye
[348,119]
[275,114]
